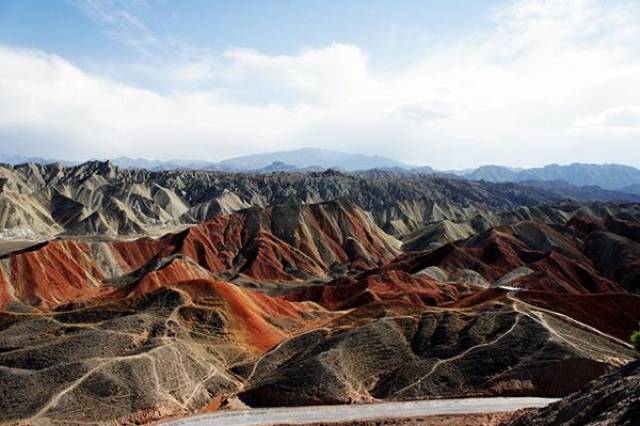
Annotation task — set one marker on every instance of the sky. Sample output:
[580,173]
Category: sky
[447,84]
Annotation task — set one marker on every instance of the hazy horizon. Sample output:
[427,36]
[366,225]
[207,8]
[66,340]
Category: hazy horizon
[195,160]
[453,86]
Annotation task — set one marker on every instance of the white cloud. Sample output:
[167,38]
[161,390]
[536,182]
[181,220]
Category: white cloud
[551,81]
[621,118]
[327,76]
[48,106]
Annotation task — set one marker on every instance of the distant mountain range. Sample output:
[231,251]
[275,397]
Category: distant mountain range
[631,189]
[612,177]
[607,176]
[304,159]
[21,159]
[311,157]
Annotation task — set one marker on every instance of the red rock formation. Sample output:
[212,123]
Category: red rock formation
[557,273]
[279,244]
[251,314]
[51,274]
[395,285]
[492,294]
[132,255]
[586,223]
[557,261]
[175,271]
[6,290]
[614,314]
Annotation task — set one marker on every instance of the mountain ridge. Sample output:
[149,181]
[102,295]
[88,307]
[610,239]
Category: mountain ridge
[607,176]
[100,198]
[610,176]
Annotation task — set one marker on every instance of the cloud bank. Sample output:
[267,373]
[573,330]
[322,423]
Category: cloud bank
[550,81]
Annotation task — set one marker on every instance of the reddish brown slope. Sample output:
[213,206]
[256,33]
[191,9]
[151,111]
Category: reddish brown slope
[281,244]
[394,285]
[272,243]
[614,314]
[557,261]
[260,321]
[52,273]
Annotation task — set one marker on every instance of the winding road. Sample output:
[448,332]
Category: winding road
[347,413]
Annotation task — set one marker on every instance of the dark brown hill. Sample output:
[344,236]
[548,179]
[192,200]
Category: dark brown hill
[610,400]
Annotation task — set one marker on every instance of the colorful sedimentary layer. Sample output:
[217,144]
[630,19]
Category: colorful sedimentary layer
[250,243]
[313,304]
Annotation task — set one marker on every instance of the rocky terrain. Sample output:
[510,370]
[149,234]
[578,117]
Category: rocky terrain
[97,198]
[613,399]
[302,289]
[101,199]
[607,182]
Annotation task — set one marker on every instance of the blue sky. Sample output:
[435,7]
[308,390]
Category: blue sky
[389,33]
[450,84]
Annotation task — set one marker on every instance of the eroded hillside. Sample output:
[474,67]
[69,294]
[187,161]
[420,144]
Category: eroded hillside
[100,199]
[391,289]
[316,304]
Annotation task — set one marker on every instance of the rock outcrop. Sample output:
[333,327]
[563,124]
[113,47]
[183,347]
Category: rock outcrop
[613,400]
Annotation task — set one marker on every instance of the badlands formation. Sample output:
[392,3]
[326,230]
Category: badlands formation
[134,296]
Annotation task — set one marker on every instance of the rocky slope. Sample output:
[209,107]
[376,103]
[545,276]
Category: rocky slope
[275,244]
[276,302]
[613,399]
[99,198]
[395,351]
[164,352]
